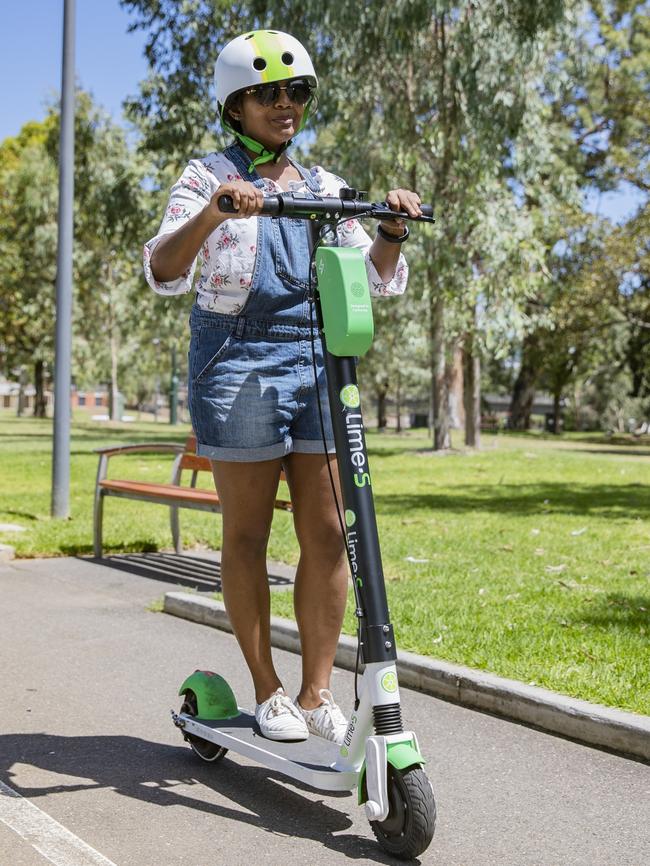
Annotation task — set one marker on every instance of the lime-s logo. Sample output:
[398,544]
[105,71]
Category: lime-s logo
[389,682]
[350,396]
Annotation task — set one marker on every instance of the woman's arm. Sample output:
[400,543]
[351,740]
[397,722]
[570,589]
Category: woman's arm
[383,253]
[175,252]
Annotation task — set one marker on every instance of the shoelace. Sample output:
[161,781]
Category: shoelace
[279,702]
[329,707]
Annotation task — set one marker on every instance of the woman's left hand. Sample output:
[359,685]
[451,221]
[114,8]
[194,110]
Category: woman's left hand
[401,200]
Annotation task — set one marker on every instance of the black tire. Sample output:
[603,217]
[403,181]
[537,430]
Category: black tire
[205,749]
[408,829]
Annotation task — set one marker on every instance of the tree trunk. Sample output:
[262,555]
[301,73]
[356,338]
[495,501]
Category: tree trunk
[22,396]
[455,387]
[523,393]
[557,396]
[113,401]
[441,439]
[398,400]
[472,392]
[40,404]
[382,390]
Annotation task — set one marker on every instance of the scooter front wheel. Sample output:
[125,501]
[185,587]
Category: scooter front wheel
[205,749]
[408,829]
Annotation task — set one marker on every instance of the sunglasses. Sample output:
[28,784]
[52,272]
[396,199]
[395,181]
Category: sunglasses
[298,91]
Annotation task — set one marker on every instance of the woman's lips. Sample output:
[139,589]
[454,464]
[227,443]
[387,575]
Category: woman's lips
[284,122]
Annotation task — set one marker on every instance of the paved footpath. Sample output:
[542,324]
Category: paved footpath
[89,673]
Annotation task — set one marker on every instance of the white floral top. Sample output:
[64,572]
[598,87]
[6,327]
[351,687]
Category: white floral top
[227,258]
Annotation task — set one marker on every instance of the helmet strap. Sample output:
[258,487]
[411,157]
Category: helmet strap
[257,147]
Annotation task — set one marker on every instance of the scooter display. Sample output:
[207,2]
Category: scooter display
[378,757]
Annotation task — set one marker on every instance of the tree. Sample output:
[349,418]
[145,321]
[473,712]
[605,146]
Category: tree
[438,93]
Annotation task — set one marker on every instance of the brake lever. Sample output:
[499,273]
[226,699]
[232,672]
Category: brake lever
[386,213]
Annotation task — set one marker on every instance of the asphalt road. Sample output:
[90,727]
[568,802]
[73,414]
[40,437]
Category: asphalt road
[89,673]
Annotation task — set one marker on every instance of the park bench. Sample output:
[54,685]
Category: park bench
[175,494]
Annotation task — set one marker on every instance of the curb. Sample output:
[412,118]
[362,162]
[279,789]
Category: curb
[7,553]
[593,724]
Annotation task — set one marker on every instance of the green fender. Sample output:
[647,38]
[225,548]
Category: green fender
[402,756]
[214,697]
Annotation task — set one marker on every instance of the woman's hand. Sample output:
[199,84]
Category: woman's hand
[246,197]
[401,200]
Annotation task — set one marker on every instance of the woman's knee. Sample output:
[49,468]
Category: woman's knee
[246,541]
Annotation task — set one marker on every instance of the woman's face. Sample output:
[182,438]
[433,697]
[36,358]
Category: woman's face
[271,125]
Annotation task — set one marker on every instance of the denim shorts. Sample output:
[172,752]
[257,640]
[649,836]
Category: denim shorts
[251,388]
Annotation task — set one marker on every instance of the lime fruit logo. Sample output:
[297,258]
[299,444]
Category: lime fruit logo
[350,396]
[343,752]
[389,682]
[357,290]
[350,517]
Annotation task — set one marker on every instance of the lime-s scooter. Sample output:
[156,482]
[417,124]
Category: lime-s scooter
[378,757]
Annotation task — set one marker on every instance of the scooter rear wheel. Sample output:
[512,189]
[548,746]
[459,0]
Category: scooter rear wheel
[205,749]
[408,829]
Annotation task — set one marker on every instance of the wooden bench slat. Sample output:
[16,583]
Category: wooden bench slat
[171,494]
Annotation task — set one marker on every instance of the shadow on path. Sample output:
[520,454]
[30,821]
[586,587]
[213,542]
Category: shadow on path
[194,572]
[152,773]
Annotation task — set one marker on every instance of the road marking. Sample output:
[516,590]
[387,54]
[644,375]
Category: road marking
[50,838]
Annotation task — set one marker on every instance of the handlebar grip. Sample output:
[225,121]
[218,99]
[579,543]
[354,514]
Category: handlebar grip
[271,206]
[427,210]
[225,204]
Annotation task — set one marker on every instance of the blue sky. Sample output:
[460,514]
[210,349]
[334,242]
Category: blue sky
[110,63]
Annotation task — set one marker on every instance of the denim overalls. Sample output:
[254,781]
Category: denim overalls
[251,379]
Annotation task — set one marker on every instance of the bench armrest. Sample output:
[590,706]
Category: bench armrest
[142,448]
[151,447]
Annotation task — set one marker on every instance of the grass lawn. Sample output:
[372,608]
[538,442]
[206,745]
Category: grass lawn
[529,559]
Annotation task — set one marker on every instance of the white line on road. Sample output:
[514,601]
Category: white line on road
[50,838]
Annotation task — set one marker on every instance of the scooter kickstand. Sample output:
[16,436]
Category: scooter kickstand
[376,779]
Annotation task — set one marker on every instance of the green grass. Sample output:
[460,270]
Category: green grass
[536,550]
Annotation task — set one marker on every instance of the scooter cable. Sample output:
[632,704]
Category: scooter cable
[322,231]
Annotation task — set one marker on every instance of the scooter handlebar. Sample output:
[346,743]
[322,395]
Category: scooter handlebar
[330,208]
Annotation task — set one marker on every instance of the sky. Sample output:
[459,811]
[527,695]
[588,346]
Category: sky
[110,63]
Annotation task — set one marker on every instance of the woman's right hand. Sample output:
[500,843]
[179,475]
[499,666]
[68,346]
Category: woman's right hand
[246,197]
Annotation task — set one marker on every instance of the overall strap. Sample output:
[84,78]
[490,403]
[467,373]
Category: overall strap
[242,163]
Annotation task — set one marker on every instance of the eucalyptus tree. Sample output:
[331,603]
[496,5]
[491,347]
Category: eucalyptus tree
[28,231]
[425,93]
[600,109]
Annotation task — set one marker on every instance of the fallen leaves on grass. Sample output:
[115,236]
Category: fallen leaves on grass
[415,559]
[579,531]
[556,569]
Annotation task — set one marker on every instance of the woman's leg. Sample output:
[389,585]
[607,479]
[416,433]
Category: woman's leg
[320,592]
[247,493]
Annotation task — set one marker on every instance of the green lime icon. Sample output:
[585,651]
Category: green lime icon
[350,396]
[343,752]
[357,290]
[389,682]
[350,517]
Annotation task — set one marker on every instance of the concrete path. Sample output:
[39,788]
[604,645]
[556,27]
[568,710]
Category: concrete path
[89,674]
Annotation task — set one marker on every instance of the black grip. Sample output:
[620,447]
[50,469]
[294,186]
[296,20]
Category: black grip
[427,210]
[270,207]
[225,204]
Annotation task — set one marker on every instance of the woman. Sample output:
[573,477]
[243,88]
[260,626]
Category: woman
[252,391]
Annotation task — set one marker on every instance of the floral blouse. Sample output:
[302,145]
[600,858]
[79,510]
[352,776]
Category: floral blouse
[227,258]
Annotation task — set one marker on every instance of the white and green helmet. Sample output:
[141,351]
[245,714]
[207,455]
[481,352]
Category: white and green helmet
[259,57]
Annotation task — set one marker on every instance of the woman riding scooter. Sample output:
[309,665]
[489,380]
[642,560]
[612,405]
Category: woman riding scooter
[252,392]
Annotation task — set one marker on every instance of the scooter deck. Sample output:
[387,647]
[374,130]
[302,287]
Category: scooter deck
[310,761]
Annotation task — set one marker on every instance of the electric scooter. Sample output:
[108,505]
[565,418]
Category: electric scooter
[378,757]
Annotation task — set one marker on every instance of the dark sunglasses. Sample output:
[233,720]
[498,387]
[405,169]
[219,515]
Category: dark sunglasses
[298,91]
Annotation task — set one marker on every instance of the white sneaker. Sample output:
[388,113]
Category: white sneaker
[326,720]
[279,718]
